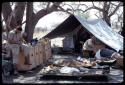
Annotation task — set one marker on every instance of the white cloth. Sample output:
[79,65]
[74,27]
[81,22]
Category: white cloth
[97,55]
[88,45]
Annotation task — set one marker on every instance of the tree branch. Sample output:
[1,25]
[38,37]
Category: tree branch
[68,5]
[47,6]
[67,11]
[93,3]
[43,12]
[108,6]
[115,10]
[6,10]
[93,8]
[83,5]
[19,12]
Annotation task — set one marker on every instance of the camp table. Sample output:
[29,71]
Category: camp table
[94,76]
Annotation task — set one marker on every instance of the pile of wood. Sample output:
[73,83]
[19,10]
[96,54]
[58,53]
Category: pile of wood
[38,55]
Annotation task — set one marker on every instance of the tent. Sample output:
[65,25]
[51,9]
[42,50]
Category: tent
[97,27]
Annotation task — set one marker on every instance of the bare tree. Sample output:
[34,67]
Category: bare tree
[105,9]
[33,18]
[108,9]
[14,17]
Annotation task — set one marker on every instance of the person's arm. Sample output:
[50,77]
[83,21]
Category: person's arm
[118,58]
[120,61]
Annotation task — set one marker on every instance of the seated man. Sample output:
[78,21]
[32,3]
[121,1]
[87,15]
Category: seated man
[109,54]
[93,45]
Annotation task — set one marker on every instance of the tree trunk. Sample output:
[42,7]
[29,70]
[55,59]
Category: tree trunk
[32,19]
[107,18]
[19,12]
[13,17]
[29,28]
[6,11]
[108,21]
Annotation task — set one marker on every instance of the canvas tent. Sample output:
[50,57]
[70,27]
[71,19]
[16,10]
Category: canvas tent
[97,27]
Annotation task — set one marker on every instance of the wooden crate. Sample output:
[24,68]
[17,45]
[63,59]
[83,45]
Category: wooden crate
[36,55]
[42,54]
[21,64]
[49,52]
[39,53]
[32,58]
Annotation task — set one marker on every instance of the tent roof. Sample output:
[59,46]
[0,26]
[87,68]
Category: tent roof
[65,27]
[97,27]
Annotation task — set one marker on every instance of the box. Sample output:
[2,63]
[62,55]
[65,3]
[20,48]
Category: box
[21,64]
[41,54]
[49,52]
[32,58]
[36,55]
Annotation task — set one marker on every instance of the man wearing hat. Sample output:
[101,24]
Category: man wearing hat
[15,40]
[93,45]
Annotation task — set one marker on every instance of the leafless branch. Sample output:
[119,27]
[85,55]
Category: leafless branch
[117,5]
[93,3]
[97,15]
[108,6]
[43,12]
[115,9]
[93,8]
[83,5]
[71,8]
[47,6]
[61,9]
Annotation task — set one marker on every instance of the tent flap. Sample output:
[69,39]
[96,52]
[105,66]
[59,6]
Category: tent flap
[103,32]
[97,27]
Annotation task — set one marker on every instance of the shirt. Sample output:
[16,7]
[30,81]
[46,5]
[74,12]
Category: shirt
[105,53]
[15,36]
